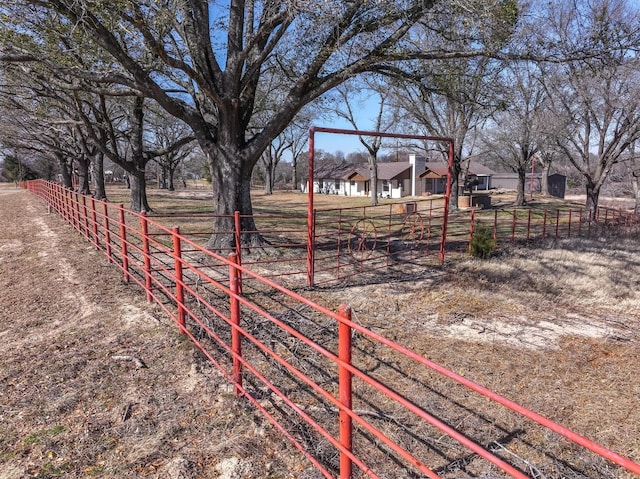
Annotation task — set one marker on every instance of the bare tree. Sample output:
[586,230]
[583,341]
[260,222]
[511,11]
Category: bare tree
[38,120]
[271,157]
[518,130]
[296,134]
[596,99]
[169,142]
[450,99]
[345,109]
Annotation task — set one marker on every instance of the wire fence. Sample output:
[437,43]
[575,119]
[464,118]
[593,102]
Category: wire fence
[355,403]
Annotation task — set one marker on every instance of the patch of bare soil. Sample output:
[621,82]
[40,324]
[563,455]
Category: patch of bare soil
[95,383]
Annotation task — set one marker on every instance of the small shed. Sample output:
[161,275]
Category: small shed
[557,185]
[509,181]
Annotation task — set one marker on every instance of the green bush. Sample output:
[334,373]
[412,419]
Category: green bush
[482,243]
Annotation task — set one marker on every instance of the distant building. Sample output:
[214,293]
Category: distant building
[532,183]
[417,177]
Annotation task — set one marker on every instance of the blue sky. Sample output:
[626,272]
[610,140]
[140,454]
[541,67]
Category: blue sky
[349,143]
[365,107]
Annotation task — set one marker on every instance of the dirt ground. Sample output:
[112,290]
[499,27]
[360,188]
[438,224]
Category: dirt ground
[94,382]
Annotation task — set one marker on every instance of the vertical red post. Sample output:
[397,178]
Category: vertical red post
[123,239]
[55,189]
[495,226]
[310,212]
[557,222]
[94,222]
[144,226]
[238,241]
[429,225]
[76,211]
[66,205]
[236,336]
[179,279]
[345,385]
[447,198]
[569,228]
[60,199]
[544,225]
[85,217]
[107,233]
[311,268]
[237,233]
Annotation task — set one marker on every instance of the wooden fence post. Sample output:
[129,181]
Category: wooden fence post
[238,241]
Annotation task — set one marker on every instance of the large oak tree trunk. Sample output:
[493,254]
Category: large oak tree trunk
[453,200]
[522,175]
[373,169]
[171,173]
[591,204]
[138,190]
[66,170]
[83,176]
[294,167]
[98,177]
[232,192]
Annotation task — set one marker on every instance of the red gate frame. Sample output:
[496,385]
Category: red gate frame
[310,212]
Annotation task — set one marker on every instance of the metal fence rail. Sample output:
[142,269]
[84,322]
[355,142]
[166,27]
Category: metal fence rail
[353,402]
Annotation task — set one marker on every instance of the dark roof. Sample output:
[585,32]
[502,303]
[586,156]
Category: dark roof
[334,170]
[433,171]
[386,171]
[437,169]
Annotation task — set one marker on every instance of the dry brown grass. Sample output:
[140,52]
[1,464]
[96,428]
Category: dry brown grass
[554,328]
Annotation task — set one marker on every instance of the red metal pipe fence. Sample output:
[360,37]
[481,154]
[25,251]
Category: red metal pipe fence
[352,401]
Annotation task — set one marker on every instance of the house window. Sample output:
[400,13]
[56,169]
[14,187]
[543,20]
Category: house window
[337,184]
[385,185]
[353,182]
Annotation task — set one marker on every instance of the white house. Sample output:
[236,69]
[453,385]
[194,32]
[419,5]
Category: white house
[416,177]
